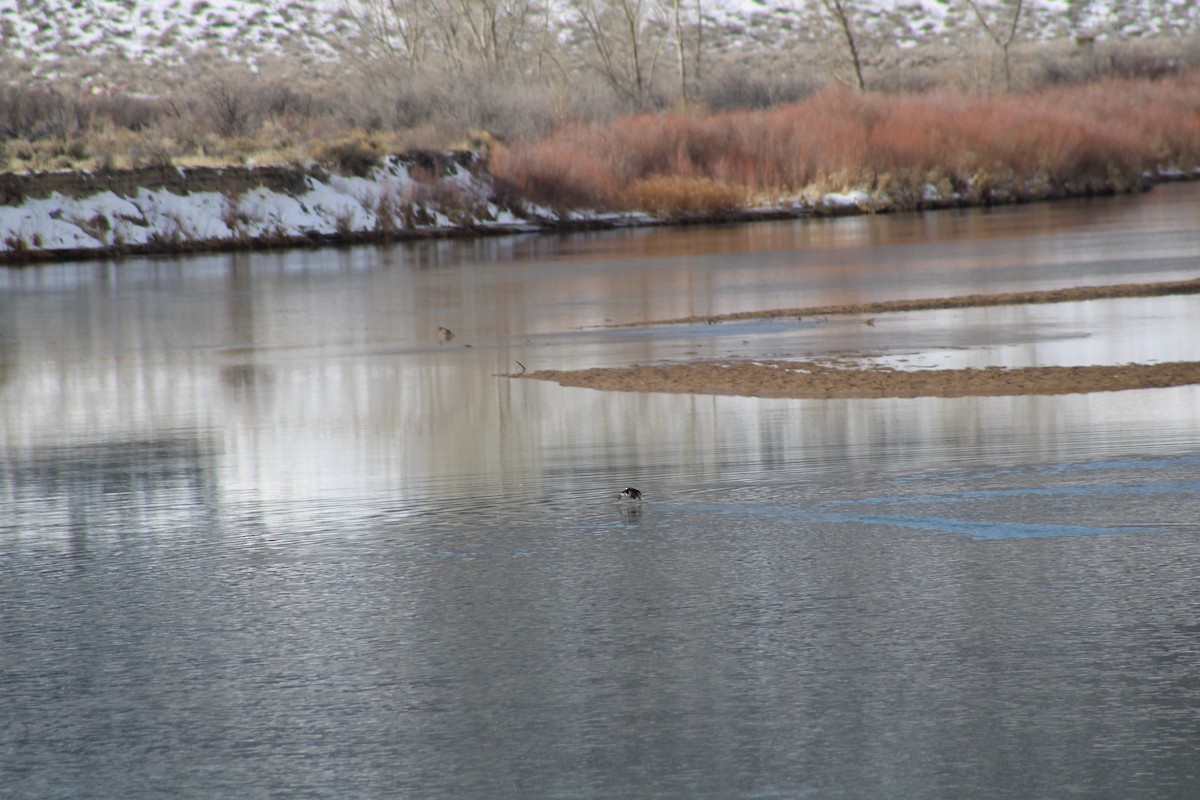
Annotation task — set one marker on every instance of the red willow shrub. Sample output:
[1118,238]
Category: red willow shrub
[1098,137]
[563,171]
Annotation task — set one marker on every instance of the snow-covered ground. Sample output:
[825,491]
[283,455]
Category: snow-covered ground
[159,30]
[924,20]
[56,38]
[388,199]
[98,42]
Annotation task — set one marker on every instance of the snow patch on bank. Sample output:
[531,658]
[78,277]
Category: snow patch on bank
[388,200]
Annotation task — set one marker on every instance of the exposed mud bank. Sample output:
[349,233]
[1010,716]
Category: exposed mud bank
[850,378]
[16,187]
[834,379]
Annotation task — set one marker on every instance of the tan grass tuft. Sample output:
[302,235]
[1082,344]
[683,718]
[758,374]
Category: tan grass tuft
[674,197]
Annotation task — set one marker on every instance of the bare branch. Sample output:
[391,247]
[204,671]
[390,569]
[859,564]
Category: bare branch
[839,11]
[1003,39]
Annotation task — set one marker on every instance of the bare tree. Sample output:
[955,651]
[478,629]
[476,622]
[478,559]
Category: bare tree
[838,12]
[687,29]
[1002,32]
[625,42]
[462,35]
[676,7]
[488,33]
[393,30]
[229,104]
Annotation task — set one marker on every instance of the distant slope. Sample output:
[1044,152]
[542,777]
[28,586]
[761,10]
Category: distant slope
[111,42]
[911,22]
[131,44]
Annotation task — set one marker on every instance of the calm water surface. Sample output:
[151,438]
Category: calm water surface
[264,533]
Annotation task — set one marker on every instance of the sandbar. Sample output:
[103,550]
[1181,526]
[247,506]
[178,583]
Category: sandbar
[836,377]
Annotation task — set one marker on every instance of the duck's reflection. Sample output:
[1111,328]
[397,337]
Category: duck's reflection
[629,513]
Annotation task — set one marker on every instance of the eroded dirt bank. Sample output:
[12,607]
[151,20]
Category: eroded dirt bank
[845,378]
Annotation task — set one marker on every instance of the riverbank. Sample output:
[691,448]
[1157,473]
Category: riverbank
[857,377]
[163,210]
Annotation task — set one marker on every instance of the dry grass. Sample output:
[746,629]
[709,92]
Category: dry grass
[675,196]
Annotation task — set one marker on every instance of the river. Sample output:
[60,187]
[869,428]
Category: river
[274,525]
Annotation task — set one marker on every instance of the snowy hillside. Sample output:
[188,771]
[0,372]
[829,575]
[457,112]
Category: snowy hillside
[64,38]
[76,39]
[914,20]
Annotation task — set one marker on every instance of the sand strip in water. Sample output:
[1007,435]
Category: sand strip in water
[845,378]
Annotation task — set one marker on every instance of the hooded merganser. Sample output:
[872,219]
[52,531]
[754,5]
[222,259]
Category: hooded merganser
[630,493]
